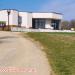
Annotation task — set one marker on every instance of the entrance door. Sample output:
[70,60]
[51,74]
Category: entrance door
[55,24]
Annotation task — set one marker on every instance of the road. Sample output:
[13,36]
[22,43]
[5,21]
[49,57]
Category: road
[21,56]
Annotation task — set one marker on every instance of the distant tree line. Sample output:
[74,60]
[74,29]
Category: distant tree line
[67,25]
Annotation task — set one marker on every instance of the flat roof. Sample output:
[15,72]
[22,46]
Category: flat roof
[31,12]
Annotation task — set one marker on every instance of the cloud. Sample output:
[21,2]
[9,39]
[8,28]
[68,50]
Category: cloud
[66,7]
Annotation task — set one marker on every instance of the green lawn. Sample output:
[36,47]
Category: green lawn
[60,50]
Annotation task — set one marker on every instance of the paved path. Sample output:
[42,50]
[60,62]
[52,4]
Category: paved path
[21,53]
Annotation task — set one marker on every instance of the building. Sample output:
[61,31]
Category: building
[31,19]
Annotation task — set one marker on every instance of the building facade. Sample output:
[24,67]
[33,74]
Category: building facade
[32,20]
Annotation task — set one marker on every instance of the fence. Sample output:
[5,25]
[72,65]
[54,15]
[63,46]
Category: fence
[18,29]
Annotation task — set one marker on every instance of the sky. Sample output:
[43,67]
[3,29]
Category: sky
[66,7]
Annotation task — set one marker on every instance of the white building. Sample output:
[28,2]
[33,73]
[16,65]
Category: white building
[32,20]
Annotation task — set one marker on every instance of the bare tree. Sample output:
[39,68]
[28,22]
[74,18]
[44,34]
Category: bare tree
[65,25]
[72,23]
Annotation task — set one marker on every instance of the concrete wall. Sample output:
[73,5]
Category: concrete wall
[47,15]
[13,17]
[3,16]
[26,19]
[57,16]
[29,20]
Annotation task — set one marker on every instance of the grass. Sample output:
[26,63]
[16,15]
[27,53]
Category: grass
[60,50]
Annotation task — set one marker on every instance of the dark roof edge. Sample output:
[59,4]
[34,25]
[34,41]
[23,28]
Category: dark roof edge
[31,12]
[9,9]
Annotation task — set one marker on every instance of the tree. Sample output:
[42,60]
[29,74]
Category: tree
[72,23]
[2,24]
[65,25]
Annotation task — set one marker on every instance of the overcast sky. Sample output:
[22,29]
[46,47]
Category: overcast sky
[66,7]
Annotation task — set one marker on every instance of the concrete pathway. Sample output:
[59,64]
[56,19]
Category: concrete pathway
[20,56]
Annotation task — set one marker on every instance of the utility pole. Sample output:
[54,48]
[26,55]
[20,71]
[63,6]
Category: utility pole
[8,12]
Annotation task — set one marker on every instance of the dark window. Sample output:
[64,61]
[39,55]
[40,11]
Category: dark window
[55,24]
[39,23]
[19,21]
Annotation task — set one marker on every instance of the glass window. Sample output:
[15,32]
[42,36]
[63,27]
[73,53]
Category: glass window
[39,23]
